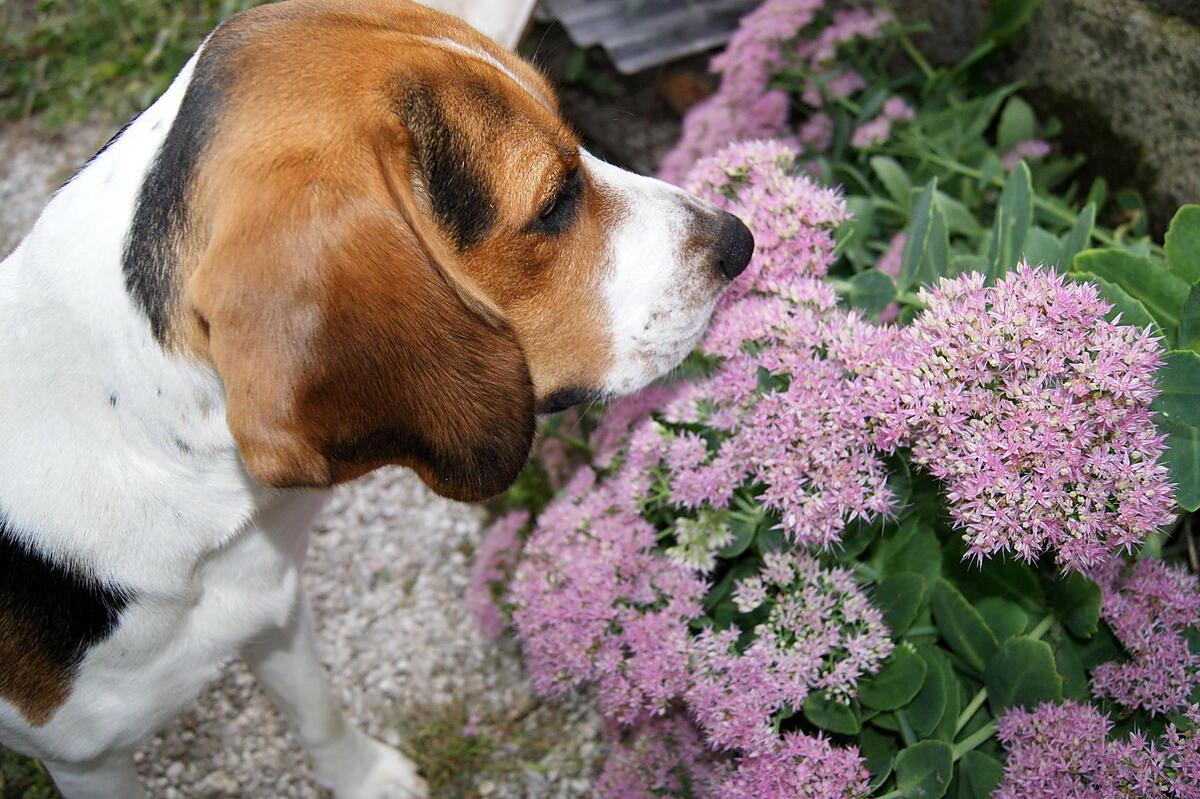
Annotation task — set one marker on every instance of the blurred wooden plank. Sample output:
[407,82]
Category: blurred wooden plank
[639,34]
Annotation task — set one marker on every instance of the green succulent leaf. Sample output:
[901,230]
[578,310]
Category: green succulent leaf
[894,179]
[830,715]
[1183,460]
[879,753]
[896,683]
[1183,244]
[920,223]
[1005,19]
[871,291]
[1189,321]
[1022,673]
[978,775]
[1014,215]
[924,770]
[928,707]
[1079,237]
[1179,382]
[915,549]
[899,597]
[961,626]
[1075,681]
[1042,248]
[1017,124]
[1145,280]
[1006,619]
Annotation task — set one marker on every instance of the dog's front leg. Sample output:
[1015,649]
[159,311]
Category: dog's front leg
[110,776]
[346,761]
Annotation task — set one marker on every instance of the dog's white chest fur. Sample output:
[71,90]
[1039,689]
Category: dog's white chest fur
[118,461]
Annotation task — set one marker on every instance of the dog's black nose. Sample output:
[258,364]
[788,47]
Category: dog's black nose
[735,247]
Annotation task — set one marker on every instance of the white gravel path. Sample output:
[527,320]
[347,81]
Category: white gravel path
[388,566]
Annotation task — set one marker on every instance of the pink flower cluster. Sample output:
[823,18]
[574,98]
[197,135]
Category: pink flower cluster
[595,602]
[744,107]
[664,758]
[777,35]
[793,219]
[820,634]
[1149,607]
[804,767]
[1034,410]
[879,129]
[1063,752]
[493,566]
[1028,150]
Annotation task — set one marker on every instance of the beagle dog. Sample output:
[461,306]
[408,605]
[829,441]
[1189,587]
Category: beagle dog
[351,233]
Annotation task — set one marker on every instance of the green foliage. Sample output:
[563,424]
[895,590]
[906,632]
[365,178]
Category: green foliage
[1014,215]
[1022,674]
[978,776]
[1077,601]
[900,597]
[962,627]
[1005,20]
[827,714]
[116,56]
[923,770]
[896,684]
[1162,290]
[24,778]
[1183,244]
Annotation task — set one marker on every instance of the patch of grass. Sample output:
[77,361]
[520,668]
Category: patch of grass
[23,778]
[451,755]
[64,59]
[458,752]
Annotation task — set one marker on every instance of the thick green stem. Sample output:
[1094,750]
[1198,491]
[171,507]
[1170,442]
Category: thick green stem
[977,701]
[974,740]
[972,707]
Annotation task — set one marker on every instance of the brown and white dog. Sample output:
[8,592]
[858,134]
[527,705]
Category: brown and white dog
[351,233]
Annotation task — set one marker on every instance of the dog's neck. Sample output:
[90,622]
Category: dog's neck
[107,440]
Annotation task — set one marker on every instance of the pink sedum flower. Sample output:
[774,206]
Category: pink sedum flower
[800,767]
[1034,410]
[1063,752]
[662,757]
[1149,607]
[792,218]
[744,107]
[870,134]
[820,634]
[493,566]
[817,133]
[595,603]
[1028,150]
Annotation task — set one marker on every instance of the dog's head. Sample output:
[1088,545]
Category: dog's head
[395,251]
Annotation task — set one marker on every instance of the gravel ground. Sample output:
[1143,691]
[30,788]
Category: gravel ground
[387,570]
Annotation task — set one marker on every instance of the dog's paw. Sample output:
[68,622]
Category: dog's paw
[387,775]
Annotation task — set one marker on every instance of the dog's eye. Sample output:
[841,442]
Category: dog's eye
[556,215]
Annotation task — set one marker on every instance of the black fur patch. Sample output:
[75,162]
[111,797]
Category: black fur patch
[160,218]
[460,197]
[567,398]
[49,617]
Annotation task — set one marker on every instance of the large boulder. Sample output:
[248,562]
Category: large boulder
[1123,75]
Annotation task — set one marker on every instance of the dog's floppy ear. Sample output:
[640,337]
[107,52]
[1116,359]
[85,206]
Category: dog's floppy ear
[345,342]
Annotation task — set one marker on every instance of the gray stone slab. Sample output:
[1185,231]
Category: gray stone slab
[1123,76]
